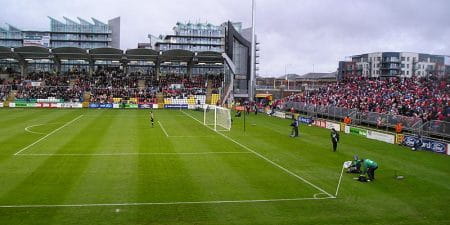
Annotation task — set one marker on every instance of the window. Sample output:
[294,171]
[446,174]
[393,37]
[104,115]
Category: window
[407,66]
[403,58]
[403,65]
[407,59]
[407,72]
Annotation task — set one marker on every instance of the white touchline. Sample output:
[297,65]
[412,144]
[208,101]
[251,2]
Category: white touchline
[165,132]
[161,203]
[42,138]
[266,159]
[193,136]
[339,183]
[27,129]
[130,153]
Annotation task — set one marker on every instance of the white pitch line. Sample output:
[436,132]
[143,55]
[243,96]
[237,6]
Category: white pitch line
[42,138]
[266,159]
[193,136]
[162,127]
[339,183]
[162,203]
[27,129]
[131,153]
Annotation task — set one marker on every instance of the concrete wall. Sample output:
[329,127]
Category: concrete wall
[114,24]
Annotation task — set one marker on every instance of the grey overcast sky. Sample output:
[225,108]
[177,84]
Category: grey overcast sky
[294,34]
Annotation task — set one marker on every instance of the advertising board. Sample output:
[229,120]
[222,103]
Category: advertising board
[176,106]
[68,105]
[358,131]
[101,105]
[388,138]
[281,115]
[427,144]
[331,125]
[145,106]
[307,120]
[39,40]
[46,105]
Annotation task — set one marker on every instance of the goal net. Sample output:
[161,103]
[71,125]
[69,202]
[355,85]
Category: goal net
[218,117]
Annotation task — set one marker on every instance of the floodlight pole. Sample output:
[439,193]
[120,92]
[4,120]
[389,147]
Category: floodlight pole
[252,56]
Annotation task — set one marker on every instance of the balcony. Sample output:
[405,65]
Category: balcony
[80,39]
[390,66]
[391,60]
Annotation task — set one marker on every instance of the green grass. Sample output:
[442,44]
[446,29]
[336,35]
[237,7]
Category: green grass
[115,157]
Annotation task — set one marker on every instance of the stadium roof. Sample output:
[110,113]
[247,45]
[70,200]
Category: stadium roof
[209,56]
[70,53]
[142,53]
[32,52]
[106,54]
[6,53]
[66,53]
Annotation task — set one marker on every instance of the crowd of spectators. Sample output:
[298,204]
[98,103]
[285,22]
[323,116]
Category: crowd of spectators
[4,90]
[427,98]
[67,94]
[105,85]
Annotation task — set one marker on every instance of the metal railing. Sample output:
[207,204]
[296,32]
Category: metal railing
[386,121]
[436,128]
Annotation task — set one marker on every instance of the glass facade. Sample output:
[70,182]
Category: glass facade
[194,37]
[81,35]
[240,58]
[199,29]
[10,38]
[190,47]
[69,34]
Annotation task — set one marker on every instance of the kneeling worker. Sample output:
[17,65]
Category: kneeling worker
[355,166]
[369,167]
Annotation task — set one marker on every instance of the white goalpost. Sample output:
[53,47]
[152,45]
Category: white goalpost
[218,117]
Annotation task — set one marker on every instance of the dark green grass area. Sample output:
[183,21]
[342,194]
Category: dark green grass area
[105,157]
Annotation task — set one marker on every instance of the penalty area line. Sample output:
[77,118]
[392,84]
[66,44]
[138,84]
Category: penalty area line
[27,129]
[265,158]
[164,130]
[42,138]
[163,203]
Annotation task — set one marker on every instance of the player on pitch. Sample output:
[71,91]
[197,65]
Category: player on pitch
[152,119]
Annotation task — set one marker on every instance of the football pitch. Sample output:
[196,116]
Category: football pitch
[86,166]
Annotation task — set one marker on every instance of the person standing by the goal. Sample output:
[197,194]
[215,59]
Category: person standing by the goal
[334,138]
[152,119]
[294,126]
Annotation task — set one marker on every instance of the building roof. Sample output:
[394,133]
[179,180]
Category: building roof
[290,76]
[331,75]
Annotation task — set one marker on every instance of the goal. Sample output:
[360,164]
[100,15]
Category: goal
[218,117]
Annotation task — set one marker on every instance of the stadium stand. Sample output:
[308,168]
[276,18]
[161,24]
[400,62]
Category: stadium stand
[426,98]
[109,86]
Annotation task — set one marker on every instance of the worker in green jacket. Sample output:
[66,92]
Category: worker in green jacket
[369,167]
